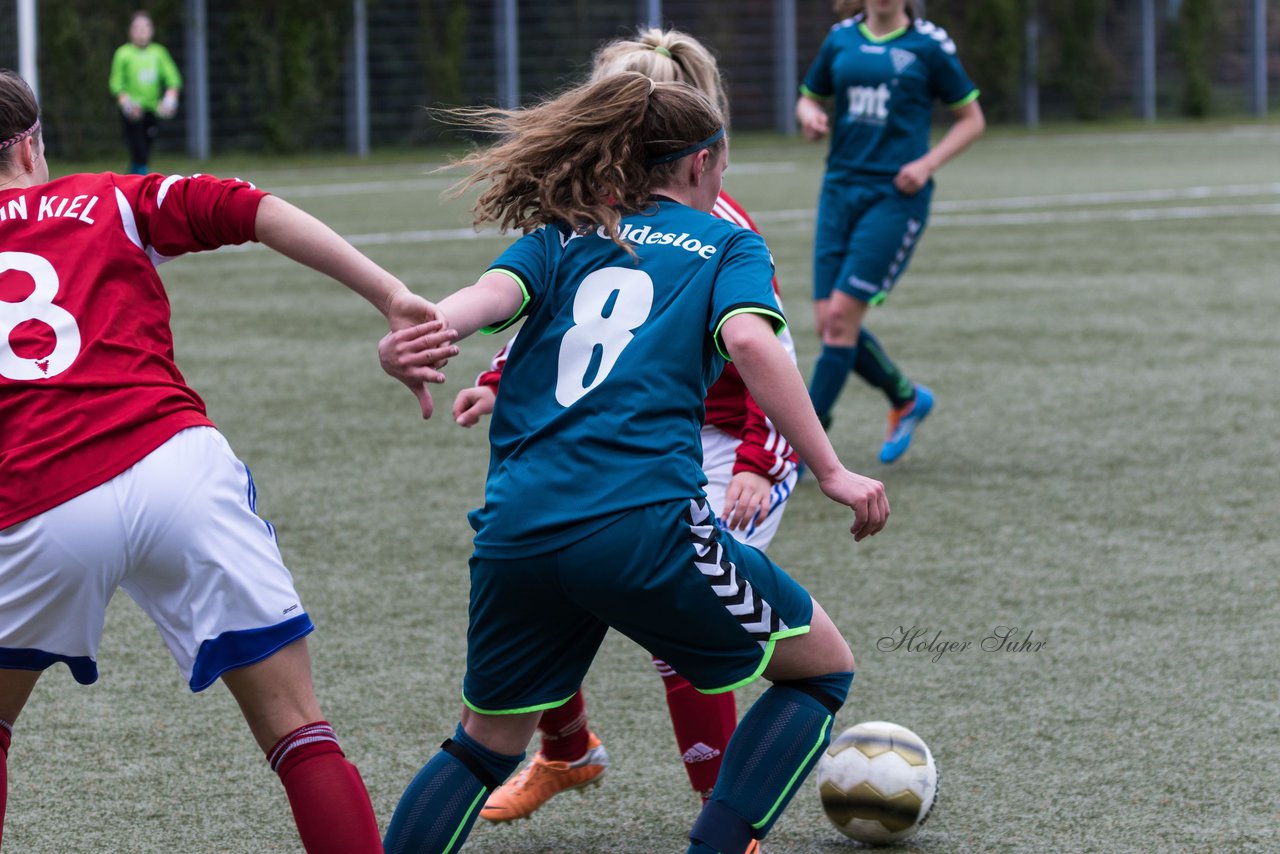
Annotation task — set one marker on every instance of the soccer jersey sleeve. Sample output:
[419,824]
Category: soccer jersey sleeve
[170,77]
[744,283]
[946,75]
[118,82]
[819,80]
[525,261]
[493,376]
[171,216]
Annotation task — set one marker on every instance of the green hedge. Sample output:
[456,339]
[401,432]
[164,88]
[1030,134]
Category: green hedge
[1194,36]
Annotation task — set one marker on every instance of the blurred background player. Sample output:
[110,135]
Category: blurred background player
[884,68]
[145,83]
[112,475]
[750,470]
[599,418]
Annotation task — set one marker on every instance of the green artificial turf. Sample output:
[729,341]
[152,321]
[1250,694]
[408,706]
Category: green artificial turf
[1099,472]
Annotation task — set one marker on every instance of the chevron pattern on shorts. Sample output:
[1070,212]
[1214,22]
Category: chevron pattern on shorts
[752,612]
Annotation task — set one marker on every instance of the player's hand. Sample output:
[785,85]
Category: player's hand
[131,108]
[405,309]
[815,124]
[472,404]
[864,495]
[912,177]
[168,107]
[746,500]
[414,356]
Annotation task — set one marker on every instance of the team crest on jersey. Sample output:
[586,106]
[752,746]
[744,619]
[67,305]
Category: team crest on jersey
[902,59]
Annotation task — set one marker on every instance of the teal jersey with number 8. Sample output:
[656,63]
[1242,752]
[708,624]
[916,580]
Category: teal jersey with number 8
[601,403]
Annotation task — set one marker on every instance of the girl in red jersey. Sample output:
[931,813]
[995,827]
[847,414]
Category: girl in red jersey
[750,471]
[112,475]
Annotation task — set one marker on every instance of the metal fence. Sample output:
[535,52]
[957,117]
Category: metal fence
[332,74]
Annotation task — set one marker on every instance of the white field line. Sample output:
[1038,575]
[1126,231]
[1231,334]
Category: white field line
[1113,215]
[357,188]
[947,213]
[1232,191]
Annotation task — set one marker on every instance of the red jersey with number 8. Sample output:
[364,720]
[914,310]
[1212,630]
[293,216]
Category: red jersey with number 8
[88,384]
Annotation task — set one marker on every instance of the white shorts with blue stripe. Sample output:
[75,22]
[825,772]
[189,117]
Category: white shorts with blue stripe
[179,533]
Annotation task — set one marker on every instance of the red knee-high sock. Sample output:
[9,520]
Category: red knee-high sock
[703,724]
[6,733]
[564,730]
[330,803]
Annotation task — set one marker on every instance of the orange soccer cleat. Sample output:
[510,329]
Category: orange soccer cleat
[542,779]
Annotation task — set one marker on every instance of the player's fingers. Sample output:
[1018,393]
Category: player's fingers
[427,374]
[417,354]
[466,415]
[424,400]
[884,511]
[424,336]
[876,514]
[861,515]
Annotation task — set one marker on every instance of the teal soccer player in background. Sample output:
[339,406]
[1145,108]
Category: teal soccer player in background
[145,83]
[632,296]
[880,71]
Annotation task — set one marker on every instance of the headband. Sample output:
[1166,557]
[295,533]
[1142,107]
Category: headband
[662,51]
[685,152]
[14,140]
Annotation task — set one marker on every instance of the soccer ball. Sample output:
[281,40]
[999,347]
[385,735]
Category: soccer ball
[877,782]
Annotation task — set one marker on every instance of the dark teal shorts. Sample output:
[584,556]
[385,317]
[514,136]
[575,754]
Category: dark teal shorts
[864,237]
[665,576]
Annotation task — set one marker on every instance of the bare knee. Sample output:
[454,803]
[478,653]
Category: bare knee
[506,734]
[276,695]
[820,651]
[842,319]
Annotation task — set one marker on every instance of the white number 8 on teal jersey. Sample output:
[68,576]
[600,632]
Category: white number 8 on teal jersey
[610,303]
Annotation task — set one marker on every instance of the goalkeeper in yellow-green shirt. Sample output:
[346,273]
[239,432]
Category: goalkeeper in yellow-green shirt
[145,83]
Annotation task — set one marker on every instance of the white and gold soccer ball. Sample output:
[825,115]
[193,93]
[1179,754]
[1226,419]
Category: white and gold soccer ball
[877,782]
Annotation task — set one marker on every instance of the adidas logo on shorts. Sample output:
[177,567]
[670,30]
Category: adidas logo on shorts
[699,753]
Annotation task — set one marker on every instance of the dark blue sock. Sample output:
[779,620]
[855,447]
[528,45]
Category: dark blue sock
[773,749]
[440,805]
[829,373]
[878,370]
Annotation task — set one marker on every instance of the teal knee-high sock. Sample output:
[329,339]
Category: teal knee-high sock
[777,743]
[437,810]
[829,374]
[878,370]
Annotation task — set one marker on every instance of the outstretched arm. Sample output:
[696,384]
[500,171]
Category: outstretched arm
[778,388]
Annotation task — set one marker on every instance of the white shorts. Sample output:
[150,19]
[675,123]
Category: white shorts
[179,533]
[719,453]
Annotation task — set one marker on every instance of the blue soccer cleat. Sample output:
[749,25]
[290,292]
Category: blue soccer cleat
[903,422]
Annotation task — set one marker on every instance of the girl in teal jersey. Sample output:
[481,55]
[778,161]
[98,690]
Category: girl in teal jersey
[632,297]
[880,71]
[145,83]
[745,469]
